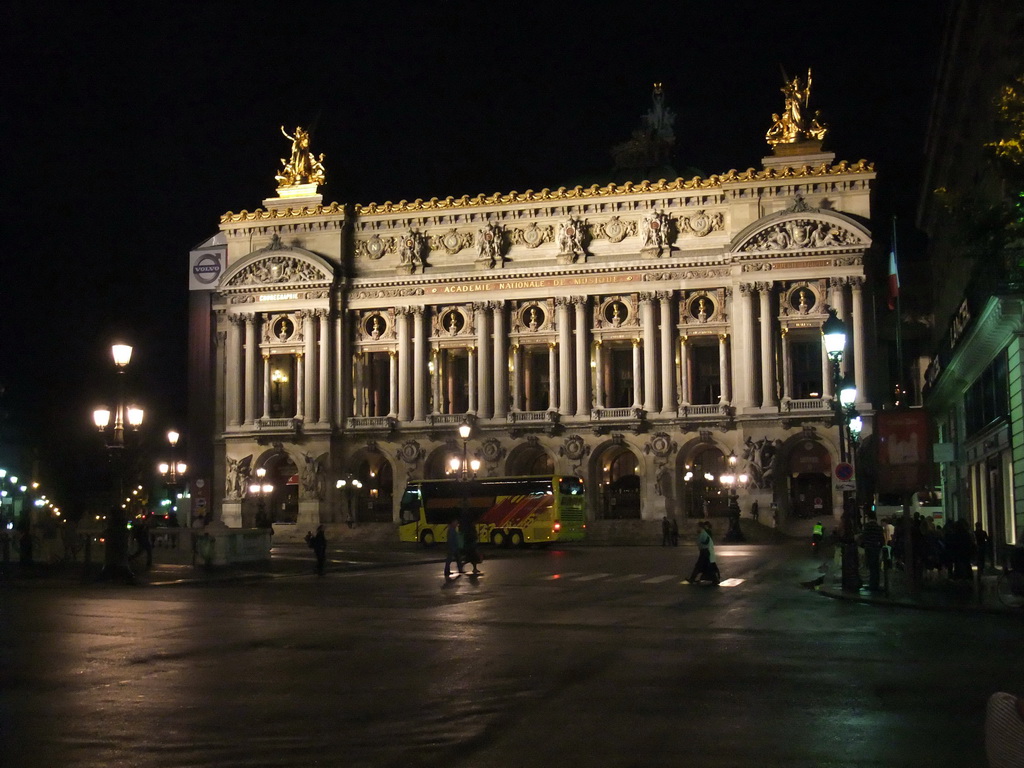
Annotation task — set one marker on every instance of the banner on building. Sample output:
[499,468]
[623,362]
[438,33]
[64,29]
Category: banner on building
[904,451]
[205,267]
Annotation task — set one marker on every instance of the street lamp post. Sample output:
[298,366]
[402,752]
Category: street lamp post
[347,485]
[833,331]
[115,566]
[173,472]
[465,468]
[261,489]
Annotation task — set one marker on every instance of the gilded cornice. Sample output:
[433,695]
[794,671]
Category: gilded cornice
[561,194]
[281,213]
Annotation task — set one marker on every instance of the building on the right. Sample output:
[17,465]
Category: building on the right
[972,211]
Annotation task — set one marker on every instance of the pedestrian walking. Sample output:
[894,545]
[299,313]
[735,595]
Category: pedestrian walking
[666,531]
[318,543]
[981,543]
[712,573]
[754,512]
[454,549]
[143,541]
[872,539]
[775,515]
[674,532]
[470,540]
[700,567]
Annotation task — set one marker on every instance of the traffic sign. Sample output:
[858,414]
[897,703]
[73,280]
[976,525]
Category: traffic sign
[844,471]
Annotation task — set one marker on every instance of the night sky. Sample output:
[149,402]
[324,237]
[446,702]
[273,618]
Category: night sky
[129,128]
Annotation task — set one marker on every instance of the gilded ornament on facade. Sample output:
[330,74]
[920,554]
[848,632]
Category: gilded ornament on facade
[793,125]
[616,230]
[277,269]
[570,240]
[490,246]
[702,223]
[655,229]
[301,167]
[532,235]
[411,252]
[375,247]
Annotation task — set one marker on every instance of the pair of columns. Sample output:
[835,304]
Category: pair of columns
[244,380]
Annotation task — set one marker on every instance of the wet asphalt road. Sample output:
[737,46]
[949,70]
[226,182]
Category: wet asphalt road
[584,657]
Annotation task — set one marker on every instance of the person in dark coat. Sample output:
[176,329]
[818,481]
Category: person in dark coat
[318,542]
[981,543]
[454,549]
[470,554]
[872,539]
[666,531]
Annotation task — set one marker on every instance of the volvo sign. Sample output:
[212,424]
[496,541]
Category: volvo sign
[205,269]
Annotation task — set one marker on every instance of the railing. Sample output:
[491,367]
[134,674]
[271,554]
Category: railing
[446,419]
[531,417]
[809,404]
[711,409]
[616,414]
[371,422]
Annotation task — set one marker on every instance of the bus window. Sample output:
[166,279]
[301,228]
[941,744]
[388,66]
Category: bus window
[410,509]
[570,486]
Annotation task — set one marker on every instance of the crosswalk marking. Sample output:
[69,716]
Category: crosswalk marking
[579,577]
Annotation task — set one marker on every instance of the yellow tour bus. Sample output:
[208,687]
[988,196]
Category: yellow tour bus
[507,510]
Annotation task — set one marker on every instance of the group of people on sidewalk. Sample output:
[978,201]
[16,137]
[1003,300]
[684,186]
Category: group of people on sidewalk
[462,547]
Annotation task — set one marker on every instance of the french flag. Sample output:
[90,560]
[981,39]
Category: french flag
[894,280]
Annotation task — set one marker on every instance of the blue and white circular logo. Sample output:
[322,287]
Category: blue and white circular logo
[207,269]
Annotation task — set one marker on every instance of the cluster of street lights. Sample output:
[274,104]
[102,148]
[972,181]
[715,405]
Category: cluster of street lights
[833,331]
[347,485]
[173,471]
[464,468]
[115,566]
[261,489]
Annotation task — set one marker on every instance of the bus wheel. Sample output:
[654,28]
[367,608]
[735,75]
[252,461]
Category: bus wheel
[515,538]
[498,539]
[427,538]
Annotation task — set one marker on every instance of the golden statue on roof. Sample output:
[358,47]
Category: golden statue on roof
[791,127]
[302,167]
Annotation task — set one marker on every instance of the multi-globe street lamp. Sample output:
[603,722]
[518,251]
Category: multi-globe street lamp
[115,566]
[261,489]
[833,332]
[348,485]
[464,468]
[173,471]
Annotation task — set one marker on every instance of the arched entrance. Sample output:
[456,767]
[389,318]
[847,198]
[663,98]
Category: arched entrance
[373,502]
[618,483]
[273,491]
[529,460]
[810,480]
[704,495]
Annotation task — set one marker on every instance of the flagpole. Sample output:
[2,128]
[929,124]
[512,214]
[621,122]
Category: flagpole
[899,316]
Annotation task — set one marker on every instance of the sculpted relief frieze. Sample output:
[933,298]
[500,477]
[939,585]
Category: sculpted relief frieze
[801,234]
[277,270]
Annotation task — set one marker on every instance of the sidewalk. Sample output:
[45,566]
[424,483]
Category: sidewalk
[169,569]
[935,593]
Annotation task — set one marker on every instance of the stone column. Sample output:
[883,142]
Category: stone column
[500,359]
[392,383]
[598,375]
[859,368]
[827,389]
[684,371]
[356,374]
[325,367]
[837,286]
[249,383]
[343,358]
[232,370]
[742,343]
[668,367]
[636,374]
[650,355]
[435,381]
[471,407]
[484,360]
[552,376]
[564,356]
[787,367]
[582,358]
[266,386]
[402,392]
[309,355]
[723,368]
[517,377]
[300,387]
[767,356]
[419,364]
